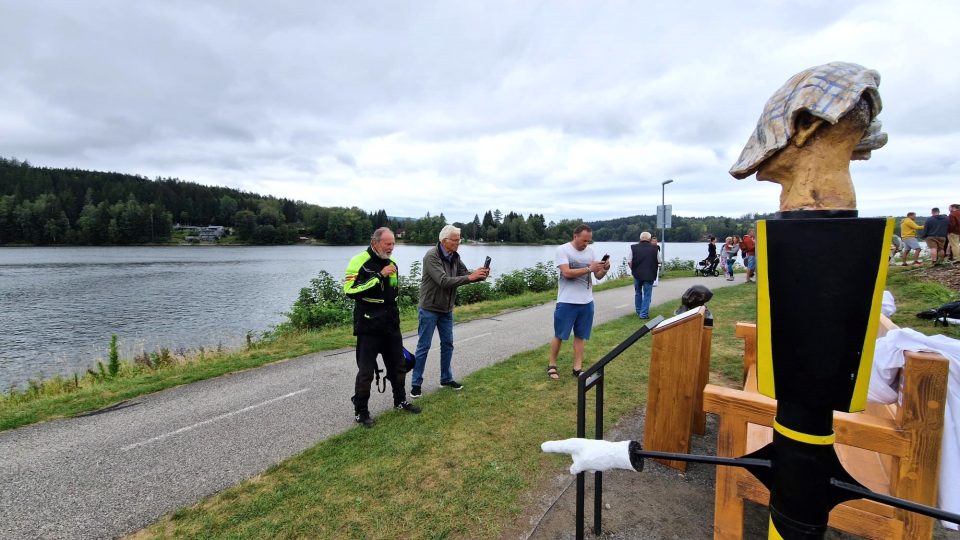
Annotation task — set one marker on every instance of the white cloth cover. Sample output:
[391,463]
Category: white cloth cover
[887,360]
[888,306]
[592,455]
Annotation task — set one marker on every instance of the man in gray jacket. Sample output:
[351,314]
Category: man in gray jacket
[443,272]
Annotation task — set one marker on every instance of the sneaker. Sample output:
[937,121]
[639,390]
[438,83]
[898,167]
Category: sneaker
[452,384]
[407,406]
[729,279]
[364,420]
[415,391]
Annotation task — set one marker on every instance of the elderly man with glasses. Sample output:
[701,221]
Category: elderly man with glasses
[443,272]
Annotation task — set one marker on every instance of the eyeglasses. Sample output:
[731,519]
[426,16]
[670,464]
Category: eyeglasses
[452,241]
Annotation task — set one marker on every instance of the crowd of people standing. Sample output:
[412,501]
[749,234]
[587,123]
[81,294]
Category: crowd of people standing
[734,246]
[371,280]
[940,233]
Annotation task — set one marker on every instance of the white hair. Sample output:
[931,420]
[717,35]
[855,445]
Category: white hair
[645,236]
[447,231]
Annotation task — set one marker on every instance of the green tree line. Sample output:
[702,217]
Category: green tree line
[683,229]
[44,206]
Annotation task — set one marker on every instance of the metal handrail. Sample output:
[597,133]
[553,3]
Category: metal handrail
[593,377]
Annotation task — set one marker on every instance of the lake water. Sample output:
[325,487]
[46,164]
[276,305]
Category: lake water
[59,306]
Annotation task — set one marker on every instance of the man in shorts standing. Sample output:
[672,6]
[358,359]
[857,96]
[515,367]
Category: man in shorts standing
[908,236]
[574,311]
[935,235]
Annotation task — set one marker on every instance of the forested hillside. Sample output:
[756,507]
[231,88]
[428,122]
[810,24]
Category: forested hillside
[44,206]
[628,229]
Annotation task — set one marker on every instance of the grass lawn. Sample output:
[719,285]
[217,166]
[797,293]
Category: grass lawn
[462,468]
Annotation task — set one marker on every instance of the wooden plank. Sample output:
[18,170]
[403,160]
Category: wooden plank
[923,391]
[751,489]
[855,429]
[699,416]
[727,505]
[672,387]
[748,333]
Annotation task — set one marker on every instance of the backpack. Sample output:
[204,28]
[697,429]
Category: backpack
[950,310]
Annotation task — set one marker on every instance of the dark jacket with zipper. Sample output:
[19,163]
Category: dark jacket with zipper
[441,277]
[376,308]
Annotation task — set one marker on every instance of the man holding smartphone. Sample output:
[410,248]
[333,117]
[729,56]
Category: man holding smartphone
[574,310]
[443,272]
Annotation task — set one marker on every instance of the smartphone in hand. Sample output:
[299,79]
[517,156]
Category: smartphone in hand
[605,257]
[486,262]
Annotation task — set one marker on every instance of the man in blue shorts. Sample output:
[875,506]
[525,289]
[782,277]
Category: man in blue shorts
[574,312]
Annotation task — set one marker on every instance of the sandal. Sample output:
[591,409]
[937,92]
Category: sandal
[552,373]
[576,373]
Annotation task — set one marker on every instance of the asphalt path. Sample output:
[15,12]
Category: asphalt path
[119,469]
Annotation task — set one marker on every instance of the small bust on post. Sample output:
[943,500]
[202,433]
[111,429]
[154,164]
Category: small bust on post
[810,130]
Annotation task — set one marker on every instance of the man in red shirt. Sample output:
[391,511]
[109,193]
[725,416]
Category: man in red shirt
[749,247]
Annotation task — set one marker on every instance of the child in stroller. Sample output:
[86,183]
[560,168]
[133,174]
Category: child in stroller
[708,266]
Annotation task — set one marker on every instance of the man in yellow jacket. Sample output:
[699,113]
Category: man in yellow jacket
[908,235]
[371,280]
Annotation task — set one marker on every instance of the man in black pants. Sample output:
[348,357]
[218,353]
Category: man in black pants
[371,280]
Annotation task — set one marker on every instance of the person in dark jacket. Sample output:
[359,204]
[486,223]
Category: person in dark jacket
[371,280]
[443,272]
[953,232]
[643,266]
[935,235]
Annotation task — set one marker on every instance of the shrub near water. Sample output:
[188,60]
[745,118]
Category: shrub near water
[323,304]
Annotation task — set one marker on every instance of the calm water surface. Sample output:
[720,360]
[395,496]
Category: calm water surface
[59,306]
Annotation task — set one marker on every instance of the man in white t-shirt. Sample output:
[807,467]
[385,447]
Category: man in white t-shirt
[575,261]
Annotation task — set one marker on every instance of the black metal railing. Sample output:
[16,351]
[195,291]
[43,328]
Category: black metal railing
[591,378]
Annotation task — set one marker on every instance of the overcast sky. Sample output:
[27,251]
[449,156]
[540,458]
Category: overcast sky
[570,109]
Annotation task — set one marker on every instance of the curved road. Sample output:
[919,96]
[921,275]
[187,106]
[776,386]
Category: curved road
[117,470]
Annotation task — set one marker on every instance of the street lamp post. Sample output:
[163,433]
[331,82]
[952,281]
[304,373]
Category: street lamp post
[663,220]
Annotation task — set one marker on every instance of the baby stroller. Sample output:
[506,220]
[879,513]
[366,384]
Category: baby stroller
[707,267]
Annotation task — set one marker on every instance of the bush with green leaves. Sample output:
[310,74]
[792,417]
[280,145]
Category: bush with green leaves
[477,291]
[409,293]
[677,264]
[322,304]
[511,284]
[622,271]
[114,366]
[542,277]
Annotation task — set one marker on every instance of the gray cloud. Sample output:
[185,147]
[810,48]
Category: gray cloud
[574,109]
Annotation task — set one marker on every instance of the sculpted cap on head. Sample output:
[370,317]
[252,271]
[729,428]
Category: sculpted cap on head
[827,92]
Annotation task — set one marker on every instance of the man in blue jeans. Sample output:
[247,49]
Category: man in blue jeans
[443,272]
[643,265]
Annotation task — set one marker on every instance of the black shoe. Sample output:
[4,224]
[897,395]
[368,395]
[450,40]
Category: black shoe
[452,384]
[364,420]
[415,391]
[407,406]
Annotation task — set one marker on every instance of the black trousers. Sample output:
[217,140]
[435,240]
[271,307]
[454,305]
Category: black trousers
[389,345]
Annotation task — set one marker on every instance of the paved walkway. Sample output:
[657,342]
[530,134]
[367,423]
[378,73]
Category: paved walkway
[120,469]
